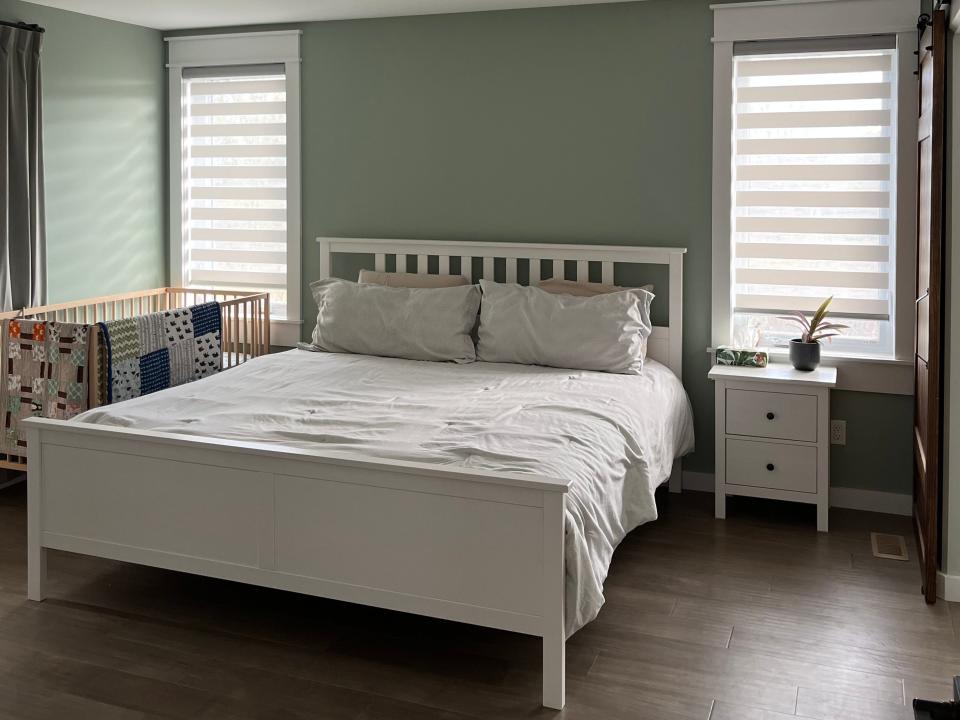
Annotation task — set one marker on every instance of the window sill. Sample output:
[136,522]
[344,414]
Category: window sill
[863,373]
[285,333]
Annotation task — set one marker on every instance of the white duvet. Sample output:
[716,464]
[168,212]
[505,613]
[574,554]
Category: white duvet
[614,436]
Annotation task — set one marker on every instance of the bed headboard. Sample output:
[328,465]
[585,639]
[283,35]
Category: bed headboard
[666,342]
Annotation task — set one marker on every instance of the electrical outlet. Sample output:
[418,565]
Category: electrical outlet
[838,432]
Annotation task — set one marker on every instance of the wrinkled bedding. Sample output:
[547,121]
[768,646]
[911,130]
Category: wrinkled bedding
[614,436]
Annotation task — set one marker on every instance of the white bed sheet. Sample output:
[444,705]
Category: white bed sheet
[615,436]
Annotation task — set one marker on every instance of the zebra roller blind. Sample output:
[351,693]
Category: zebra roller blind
[235,180]
[814,192]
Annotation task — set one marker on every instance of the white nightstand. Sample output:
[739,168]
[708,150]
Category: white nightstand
[773,435]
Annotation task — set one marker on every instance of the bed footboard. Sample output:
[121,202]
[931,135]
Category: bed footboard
[476,547]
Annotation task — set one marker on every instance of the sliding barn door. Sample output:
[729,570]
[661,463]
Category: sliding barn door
[928,416]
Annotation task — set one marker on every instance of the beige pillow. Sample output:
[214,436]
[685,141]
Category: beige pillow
[411,280]
[570,287]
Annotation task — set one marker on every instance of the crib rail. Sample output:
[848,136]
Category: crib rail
[243,315]
[244,320]
[244,323]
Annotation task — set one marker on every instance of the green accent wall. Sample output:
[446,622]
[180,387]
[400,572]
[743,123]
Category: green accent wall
[575,124]
[588,124]
[104,91]
[879,450]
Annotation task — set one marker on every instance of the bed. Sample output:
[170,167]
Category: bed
[492,494]
[614,436]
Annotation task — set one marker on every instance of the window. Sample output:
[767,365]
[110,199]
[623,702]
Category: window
[813,195]
[234,181]
[235,168]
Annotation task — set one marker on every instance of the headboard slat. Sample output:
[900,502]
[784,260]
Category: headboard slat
[534,271]
[488,268]
[606,273]
[558,273]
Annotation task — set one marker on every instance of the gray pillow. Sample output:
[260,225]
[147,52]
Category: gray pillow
[412,323]
[530,326]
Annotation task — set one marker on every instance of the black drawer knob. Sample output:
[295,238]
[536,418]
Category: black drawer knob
[770,416]
[770,467]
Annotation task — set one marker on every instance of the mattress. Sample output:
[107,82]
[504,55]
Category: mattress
[614,436]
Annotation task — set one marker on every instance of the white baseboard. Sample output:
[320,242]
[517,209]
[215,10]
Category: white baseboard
[948,587]
[841,497]
[871,500]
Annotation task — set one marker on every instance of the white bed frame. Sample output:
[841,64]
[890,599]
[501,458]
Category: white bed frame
[478,547]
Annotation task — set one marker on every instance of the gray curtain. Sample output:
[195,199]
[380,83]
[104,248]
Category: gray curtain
[22,237]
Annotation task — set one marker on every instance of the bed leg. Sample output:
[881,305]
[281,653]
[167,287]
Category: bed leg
[36,553]
[676,478]
[554,671]
[554,588]
[36,573]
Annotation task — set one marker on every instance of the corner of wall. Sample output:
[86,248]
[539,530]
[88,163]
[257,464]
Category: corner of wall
[950,506]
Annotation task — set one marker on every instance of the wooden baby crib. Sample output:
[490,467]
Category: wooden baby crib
[244,323]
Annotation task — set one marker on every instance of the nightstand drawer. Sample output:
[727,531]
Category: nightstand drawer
[771,415]
[771,465]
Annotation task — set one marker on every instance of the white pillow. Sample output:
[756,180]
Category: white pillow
[533,327]
[412,323]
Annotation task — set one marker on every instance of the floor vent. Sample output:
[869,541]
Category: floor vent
[889,547]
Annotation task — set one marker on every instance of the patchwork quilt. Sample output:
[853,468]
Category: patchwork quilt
[152,352]
[45,374]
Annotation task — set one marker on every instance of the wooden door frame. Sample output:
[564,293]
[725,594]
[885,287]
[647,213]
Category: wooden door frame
[926,510]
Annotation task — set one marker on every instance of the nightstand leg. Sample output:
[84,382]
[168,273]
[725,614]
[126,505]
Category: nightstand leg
[720,500]
[823,515]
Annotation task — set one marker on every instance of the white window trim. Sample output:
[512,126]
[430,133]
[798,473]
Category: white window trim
[799,19]
[258,48]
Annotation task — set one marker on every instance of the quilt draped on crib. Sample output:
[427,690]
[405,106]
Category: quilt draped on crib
[45,374]
[164,349]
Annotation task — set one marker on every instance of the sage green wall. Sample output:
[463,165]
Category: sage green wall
[573,124]
[588,124]
[104,91]
[879,450]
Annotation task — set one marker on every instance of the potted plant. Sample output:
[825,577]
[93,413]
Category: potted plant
[805,350]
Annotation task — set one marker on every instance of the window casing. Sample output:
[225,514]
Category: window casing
[797,27]
[235,168]
[814,193]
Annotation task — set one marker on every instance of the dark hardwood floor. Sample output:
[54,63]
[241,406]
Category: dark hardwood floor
[755,618]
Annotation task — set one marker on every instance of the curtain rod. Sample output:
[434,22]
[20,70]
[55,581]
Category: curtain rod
[22,26]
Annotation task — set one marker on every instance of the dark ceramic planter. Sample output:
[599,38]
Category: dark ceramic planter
[803,355]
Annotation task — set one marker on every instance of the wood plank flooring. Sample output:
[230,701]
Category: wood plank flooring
[756,618]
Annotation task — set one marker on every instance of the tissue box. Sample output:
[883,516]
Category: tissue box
[741,357]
